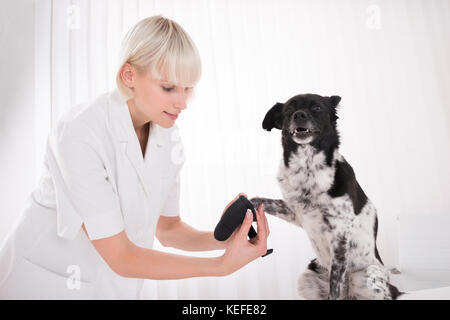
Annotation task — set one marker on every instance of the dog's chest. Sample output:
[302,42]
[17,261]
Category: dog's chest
[304,184]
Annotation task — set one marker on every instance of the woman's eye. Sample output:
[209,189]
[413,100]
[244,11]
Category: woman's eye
[168,89]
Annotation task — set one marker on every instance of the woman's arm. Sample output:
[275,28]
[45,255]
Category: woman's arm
[129,260]
[172,232]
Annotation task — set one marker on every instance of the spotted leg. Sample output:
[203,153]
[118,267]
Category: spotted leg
[277,208]
[339,247]
[372,283]
[314,283]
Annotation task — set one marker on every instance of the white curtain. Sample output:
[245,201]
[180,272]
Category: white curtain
[388,60]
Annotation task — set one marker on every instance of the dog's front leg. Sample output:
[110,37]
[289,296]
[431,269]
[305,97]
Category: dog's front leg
[339,248]
[275,207]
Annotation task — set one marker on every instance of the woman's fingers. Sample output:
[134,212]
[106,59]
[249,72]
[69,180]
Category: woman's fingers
[263,230]
[242,194]
[262,221]
[246,224]
[231,202]
[265,220]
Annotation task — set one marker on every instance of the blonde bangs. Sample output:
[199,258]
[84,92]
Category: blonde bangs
[179,65]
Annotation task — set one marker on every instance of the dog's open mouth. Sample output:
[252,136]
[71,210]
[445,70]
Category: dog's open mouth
[303,131]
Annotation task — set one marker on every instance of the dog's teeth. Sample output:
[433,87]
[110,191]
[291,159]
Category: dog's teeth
[299,130]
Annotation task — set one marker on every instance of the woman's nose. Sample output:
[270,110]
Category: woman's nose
[180,102]
[181,105]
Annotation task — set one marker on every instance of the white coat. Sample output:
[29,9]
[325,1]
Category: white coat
[94,173]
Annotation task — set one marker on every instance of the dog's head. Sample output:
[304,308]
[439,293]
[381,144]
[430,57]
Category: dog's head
[304,118]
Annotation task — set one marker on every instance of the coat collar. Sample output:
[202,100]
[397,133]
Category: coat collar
[123,130]
[121,119]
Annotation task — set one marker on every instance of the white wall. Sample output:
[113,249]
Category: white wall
[17,144]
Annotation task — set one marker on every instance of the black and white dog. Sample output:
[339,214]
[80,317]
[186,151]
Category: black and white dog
[321,195]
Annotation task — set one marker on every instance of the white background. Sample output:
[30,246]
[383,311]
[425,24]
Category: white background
[388,60]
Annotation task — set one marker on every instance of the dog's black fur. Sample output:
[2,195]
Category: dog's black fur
[321,194]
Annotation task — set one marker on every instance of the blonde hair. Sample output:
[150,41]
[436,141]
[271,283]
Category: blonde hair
[161,46]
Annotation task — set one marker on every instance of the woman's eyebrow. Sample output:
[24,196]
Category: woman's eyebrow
[172,84]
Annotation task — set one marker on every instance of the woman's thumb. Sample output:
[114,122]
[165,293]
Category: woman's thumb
[246,224]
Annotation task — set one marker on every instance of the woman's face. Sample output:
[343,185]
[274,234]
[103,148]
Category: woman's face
[155,100]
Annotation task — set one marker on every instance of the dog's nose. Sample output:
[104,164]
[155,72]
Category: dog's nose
[300,115]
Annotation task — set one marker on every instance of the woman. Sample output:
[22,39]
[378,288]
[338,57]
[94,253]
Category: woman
[111,183]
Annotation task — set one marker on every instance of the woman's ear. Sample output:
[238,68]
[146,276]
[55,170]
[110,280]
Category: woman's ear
[274,117]
[127,75]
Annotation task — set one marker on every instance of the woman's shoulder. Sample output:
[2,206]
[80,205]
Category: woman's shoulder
[84,119]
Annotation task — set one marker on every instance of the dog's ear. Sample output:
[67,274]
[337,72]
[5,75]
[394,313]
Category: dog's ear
[274,117]
[334,101]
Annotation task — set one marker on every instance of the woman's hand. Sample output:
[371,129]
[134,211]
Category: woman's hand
[241,251]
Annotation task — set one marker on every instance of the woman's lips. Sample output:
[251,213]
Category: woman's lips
[172,116]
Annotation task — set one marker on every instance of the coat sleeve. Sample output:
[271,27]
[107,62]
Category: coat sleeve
[84,193]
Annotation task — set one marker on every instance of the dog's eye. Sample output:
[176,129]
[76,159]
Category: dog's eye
[289,109]
[317,108]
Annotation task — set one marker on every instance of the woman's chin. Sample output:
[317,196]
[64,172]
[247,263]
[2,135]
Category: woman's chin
[165,124]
